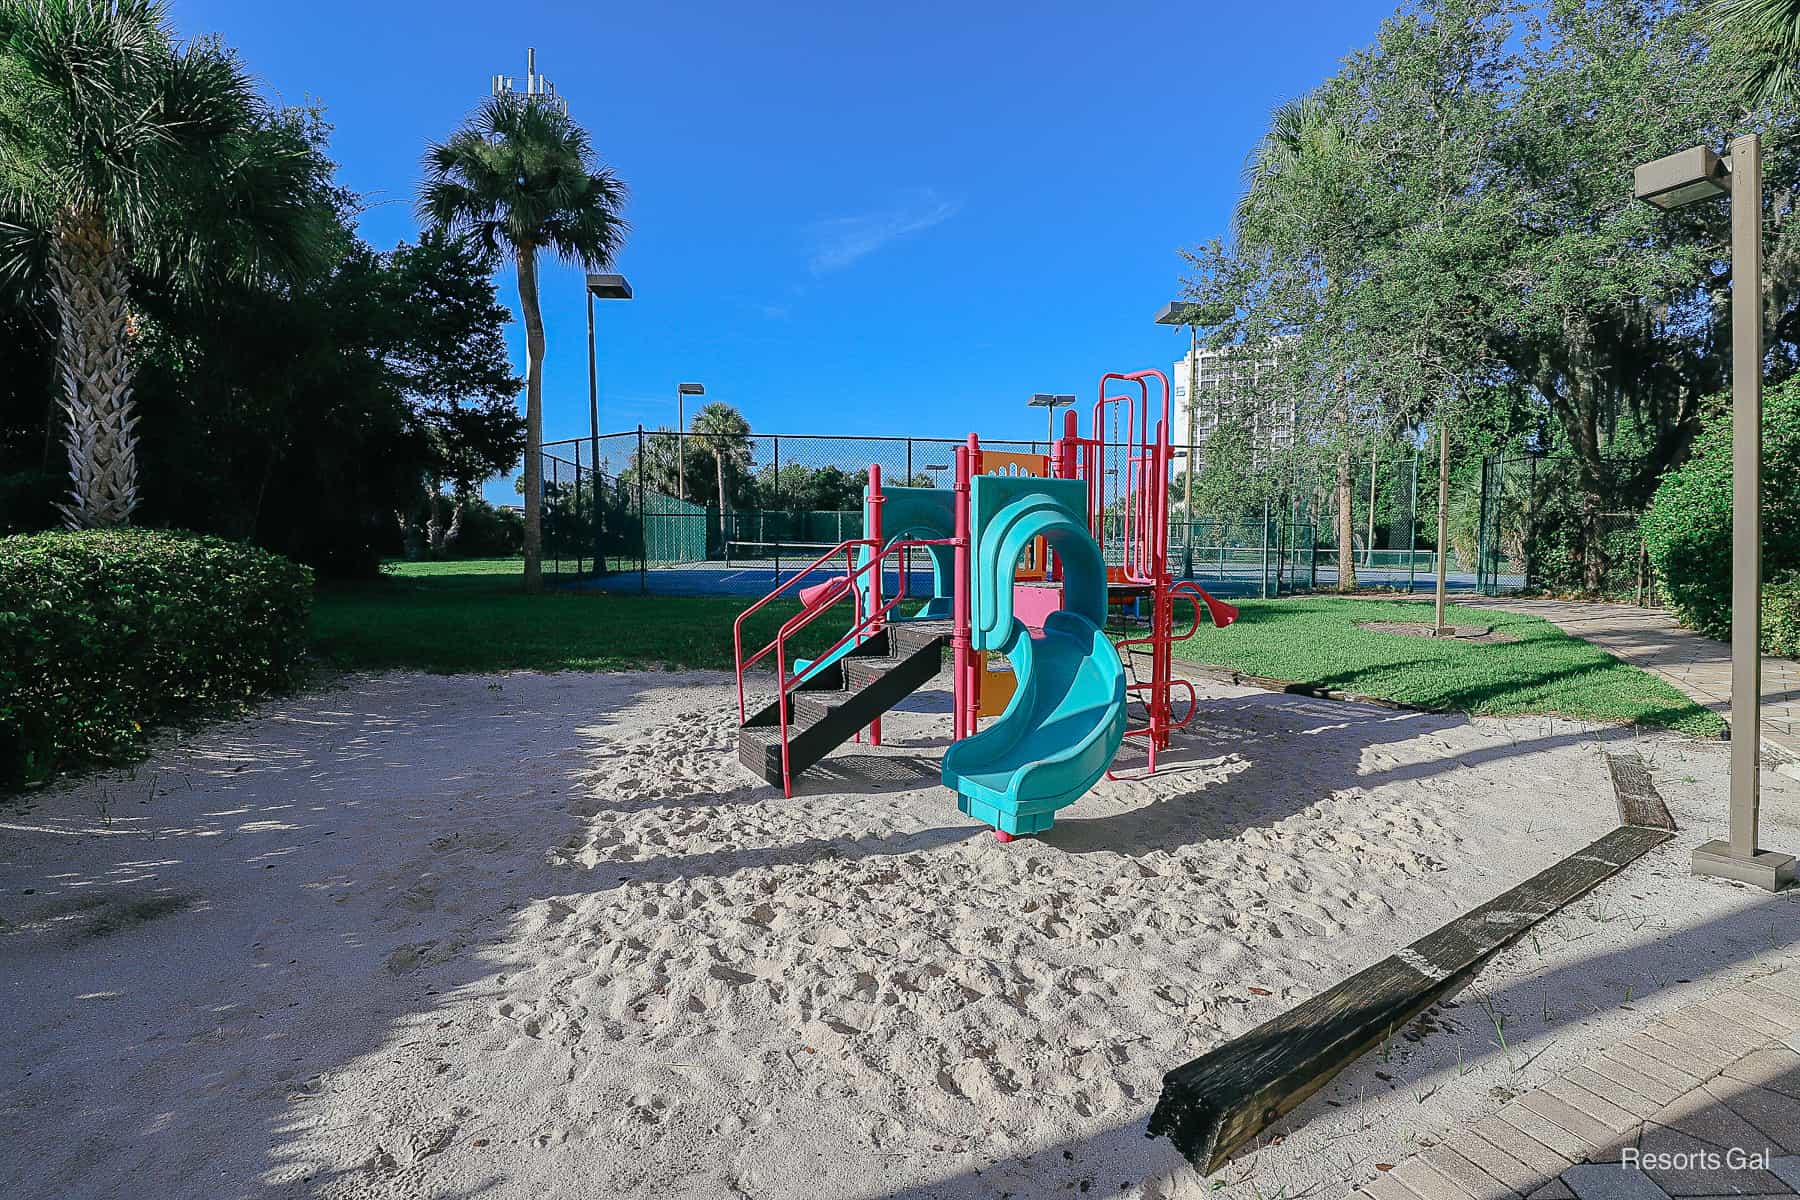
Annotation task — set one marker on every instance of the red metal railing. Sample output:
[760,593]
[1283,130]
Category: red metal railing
[863,624]
[847,547]
[1216,609]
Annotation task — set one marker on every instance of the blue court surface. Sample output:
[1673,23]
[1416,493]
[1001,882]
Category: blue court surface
[756,579]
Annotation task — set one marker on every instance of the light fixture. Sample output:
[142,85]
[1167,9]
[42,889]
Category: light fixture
[1682,178]
[1050,402]
[609,287]
[1179,312]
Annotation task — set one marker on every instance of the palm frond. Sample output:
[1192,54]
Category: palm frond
[1766,35]
[23,250]
[523,174]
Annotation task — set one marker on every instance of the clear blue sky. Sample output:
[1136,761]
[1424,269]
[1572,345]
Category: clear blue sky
[848,218]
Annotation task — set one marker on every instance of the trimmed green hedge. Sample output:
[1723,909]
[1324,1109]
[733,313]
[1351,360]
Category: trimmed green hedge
[1781,617]
[1687,530]
[104,634]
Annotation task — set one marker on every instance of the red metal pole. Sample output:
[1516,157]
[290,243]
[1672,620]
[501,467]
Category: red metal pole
[972,691]
[962,603]
[876,569]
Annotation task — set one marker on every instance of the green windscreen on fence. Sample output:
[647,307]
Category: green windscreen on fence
[674,530]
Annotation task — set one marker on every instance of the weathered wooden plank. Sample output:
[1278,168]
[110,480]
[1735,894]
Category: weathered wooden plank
[1213,1105]
[1639,802]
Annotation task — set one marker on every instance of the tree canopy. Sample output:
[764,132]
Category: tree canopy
[1445,230]
[313,412]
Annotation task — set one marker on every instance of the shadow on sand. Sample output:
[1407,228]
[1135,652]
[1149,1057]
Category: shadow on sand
[208,1042]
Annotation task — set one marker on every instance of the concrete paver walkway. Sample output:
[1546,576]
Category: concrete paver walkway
[1703,1102]
[1698,665]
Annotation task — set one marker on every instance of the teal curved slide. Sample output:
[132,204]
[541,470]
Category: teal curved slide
[1066,720]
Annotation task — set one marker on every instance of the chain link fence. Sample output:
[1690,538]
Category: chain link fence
[1560,523]
[788,498]
[736,508]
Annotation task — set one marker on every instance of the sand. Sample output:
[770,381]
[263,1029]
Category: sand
[530,935]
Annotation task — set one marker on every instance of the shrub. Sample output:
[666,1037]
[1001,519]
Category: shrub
[1781,617]
[488,532]
[106,633]
[1687,529]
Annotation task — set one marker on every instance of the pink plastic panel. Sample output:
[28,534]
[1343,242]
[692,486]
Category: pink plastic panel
[1033,602]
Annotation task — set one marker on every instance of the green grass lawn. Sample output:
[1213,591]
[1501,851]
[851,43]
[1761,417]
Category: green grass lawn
[1318,641]
[472,616]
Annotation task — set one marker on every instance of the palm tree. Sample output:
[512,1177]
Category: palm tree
[522,177]
[1768,34]
[121,150]
[722,430]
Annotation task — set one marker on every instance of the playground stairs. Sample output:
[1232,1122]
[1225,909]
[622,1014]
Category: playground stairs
[842,697]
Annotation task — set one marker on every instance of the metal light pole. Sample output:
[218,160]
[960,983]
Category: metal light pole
[682,392]
[604,287]
[1050,402]
[934,468]
[1683,178]
[1182,312]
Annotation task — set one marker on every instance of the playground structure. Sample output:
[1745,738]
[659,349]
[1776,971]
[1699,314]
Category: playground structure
[1036,558]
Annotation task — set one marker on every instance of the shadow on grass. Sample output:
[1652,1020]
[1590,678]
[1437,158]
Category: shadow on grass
[1317,643]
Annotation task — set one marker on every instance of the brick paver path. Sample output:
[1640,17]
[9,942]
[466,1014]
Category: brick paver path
[1701,667]
[1703,1102]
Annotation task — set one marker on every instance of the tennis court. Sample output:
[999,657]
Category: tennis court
[753,569]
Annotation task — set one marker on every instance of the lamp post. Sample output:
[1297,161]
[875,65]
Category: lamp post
[1668,183]
[1183,312]
[682,392]
[604,287]
[934,468]
[1050,402]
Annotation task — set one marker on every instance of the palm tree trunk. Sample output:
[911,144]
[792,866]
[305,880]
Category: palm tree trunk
[89,285]
[534,418]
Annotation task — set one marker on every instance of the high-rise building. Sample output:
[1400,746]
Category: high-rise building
[1238,379]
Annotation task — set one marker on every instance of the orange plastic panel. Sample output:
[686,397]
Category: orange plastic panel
[996,684]
[1034,465]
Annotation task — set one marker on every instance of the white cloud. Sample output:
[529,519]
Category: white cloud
[839,242]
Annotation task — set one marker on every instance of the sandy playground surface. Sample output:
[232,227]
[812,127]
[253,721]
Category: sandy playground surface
[539,935]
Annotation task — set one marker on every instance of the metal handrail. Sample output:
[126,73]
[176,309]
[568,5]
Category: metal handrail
[737,628]
[863,623]
[1193,595]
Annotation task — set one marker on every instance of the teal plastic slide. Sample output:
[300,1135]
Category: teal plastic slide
[1067,718]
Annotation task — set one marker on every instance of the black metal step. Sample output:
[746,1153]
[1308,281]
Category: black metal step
[814,706]
[827,710]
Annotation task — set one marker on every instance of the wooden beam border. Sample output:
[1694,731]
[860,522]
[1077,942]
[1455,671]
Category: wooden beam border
[1212,1106]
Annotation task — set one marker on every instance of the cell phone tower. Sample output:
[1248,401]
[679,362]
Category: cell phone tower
[537,87]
